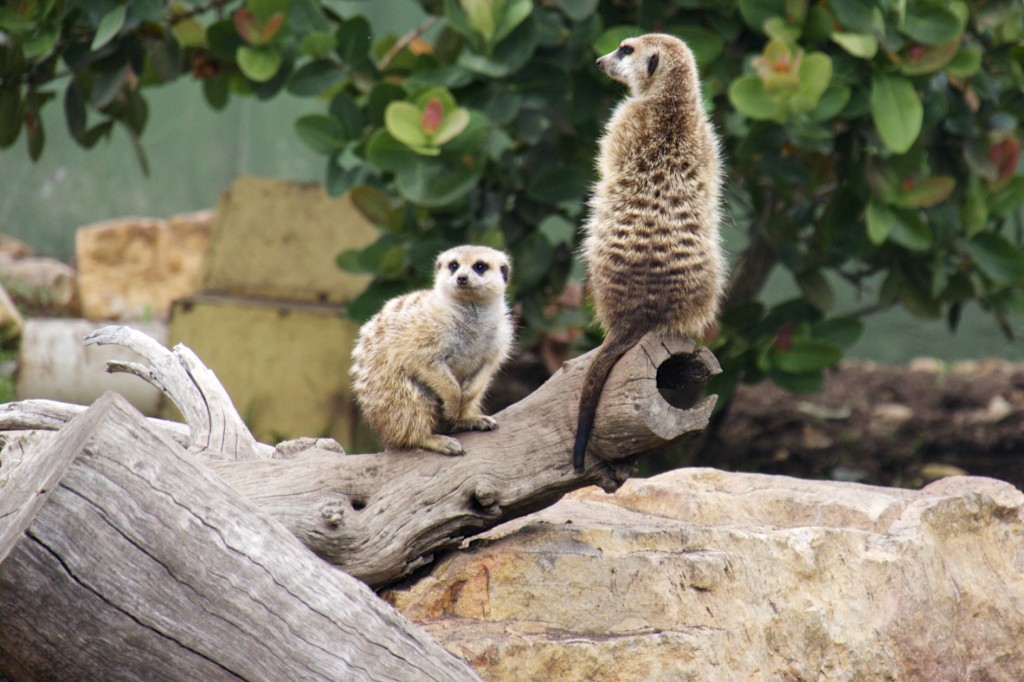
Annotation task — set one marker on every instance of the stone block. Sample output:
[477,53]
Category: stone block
[284,364]
[279,240]
[54,364]
[132,268]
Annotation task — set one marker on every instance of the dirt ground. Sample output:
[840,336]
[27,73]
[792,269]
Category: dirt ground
[902,426]
[897,426]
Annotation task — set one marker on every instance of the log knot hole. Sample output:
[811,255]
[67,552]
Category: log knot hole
[680,379]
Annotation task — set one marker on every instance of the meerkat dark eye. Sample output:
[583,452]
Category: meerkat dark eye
[479,267]
[453,266]
[625,50]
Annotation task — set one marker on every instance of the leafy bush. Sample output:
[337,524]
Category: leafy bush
[871,144]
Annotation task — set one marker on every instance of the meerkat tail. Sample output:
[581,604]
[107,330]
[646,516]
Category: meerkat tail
[613,348]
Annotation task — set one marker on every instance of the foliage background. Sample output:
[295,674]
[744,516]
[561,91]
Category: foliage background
[873,146]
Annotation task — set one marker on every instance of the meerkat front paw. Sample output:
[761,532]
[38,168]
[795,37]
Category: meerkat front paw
[443,444]
[478,423]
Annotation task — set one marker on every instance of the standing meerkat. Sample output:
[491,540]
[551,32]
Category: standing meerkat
[422,364]
[652,246]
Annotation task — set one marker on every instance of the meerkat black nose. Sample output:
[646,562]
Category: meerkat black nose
[462,279]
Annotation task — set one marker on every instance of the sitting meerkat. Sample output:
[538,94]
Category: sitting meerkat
[422,364]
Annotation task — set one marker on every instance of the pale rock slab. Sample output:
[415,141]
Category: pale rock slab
[133,268]
[705,575]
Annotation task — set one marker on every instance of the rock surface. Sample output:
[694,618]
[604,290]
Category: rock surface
[133,268]
[701,574]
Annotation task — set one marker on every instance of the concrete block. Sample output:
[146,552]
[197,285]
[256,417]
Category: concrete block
[284,364]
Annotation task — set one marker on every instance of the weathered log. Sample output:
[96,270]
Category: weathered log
[122,558]
[381,516]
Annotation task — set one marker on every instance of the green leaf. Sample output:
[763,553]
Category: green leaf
[815,77]
[840,331]
[1007,199]
[805,355]
[516,12]
[860,45]
[10,116]
[896,111]
[881,221]
[315,77]
[259,64]
[345,109]
[41,43]
[707,45]
[966,63]
[432,184]
[930,23]
[911,232]
[558,185]
[859,16]
[108,27]
[833,101]
[756,12]
[403,122]
[323,134]
[558,230]
[533,257]
[925,192]
[610,39]
[577,10]
[453,123]
[816,289]
[376,206]
[388,154]
[748,95]
[13,22]
[36,138]
[318,43]
[997,258]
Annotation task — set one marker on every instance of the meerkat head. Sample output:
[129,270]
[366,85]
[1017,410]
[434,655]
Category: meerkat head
[641,63]
[472,274]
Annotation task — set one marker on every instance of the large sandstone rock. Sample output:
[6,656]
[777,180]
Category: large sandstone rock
[133,268]
[704,575]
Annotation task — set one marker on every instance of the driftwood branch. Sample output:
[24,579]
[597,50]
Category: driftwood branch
[123,558]
[381,516]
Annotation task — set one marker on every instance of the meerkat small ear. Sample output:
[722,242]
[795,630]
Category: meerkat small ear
[504,273]
[652,64]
